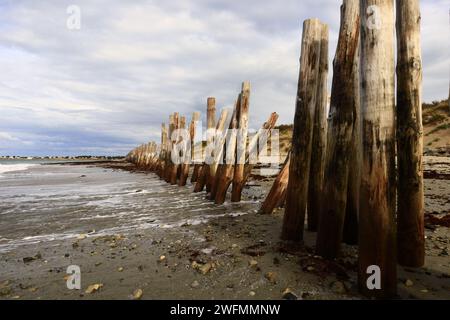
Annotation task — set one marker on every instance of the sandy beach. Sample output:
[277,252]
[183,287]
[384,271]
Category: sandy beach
[139,238]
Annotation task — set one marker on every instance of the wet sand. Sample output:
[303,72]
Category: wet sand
[231,256]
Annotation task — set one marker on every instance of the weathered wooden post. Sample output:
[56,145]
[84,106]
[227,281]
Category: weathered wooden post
[277,194]
[190,149]
[162,154]
[175,173]
[319,141]
[377,227]
[239,168]
[203,176]
[226,170]
[218,146]
[344,107]
[410,232]
[297,193]
[168,165]
[211,124]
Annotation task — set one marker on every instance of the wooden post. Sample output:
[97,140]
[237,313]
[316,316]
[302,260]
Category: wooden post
[297,193]
[226,171]
[203,176]
[377,229]
[410,232]
[175,172]
[188,157]
[350,234]
[211,124]
[162,155]
[277,194]
[341,130]
[239,169]
[220,137]
[168,166]
[219,164]
[319,142]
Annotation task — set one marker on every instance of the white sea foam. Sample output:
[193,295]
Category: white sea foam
[14,167]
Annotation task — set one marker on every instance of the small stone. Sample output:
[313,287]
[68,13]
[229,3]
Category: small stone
[289,295]
[4,291]
[252,293]
[409,283]
[338,287]
[424,290]
[137,294]
[310,268]
[97,264]
[120,269]
[93,288]
[253,263]
[195,284]
[271,276]
[205,268]
[234,246]
[162,258]
[82,236]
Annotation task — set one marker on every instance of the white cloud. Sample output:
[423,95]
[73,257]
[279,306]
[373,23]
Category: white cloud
[111,84]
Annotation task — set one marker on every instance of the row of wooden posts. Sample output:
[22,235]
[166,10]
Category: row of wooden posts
[355,176]
[359,175]
[230,164]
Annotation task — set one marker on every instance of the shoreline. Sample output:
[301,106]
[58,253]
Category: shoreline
[228,257]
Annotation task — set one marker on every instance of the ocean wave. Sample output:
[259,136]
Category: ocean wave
[15,167]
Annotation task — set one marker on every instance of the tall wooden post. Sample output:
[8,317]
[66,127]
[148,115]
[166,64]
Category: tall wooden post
[319,141]
[350,235]
[211,124]
[239,169]
[221,134]
[226,171]
[410,232]
[377,227]
[190,149]
[297,193]
[168,166]
[174,138]
[204,172]
[341,130]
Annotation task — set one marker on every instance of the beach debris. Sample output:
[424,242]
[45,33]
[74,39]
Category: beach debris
[289,295]
[120,269]
[252,293]
[33,289]
[137,294]
[271,276]
[253,263]
[234,246]
[409,283]
[254,250]
[310,268]
[195,284]
[97,264]
[82,236]
[38,256]
[93,288]
[338,287]
[5,288]
[205,268]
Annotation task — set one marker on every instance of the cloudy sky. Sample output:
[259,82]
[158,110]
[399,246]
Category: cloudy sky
[107,87]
